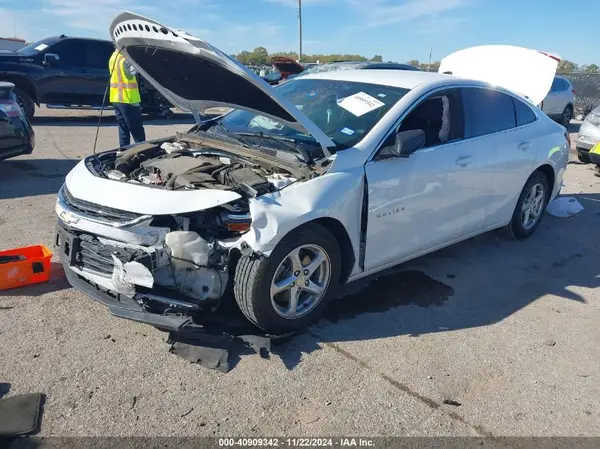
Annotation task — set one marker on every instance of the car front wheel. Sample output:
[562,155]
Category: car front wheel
[290,289]
[583,157]
[530,207]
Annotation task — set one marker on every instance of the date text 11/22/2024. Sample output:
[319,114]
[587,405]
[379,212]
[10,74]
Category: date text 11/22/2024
[296,442]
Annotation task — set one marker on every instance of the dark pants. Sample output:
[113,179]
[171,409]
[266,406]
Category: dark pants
[129,119]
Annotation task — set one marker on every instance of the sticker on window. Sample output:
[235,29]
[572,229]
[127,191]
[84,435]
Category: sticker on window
[360,103]
[348,131]
[381,95]
[299,106]
[41,47]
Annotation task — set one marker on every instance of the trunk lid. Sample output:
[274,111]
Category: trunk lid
[526,72]
[195,76]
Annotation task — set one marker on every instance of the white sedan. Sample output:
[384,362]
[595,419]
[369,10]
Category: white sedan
[301,188]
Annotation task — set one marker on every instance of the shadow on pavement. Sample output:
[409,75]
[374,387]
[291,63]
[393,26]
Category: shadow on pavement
[32,177]
[108,120]
[478,282]
[573,127]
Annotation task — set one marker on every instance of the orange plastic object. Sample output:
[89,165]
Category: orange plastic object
[35,268]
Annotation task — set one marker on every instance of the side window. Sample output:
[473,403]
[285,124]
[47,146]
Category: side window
[97,54]
[440,116]
[71,52]
[489,111]
[523,113]
[556,85]
[564,84]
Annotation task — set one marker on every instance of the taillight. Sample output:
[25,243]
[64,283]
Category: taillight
[573,90]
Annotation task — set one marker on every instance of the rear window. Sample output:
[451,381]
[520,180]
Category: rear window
[523,113]
[489,111]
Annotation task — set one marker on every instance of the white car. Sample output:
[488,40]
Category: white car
[560,101]
[319,182]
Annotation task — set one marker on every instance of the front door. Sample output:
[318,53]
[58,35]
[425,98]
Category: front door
[65,81]
[422,201]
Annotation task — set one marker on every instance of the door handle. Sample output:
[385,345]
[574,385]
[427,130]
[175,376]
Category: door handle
[464,161]
[524,146]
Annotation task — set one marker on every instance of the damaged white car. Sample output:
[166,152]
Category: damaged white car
[318,182]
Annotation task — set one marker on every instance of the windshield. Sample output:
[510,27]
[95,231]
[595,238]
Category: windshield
[36,47]
[345,111]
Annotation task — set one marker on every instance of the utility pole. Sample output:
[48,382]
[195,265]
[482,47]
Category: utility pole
[429,66]
[300,30]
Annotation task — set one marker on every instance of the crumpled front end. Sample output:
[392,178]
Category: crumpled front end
[160,270]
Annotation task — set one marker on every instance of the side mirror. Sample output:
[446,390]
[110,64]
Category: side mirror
[51,58]
[405,143]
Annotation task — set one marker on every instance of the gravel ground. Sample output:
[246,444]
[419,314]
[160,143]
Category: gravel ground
[487,337]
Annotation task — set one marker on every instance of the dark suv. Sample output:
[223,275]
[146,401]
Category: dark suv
[67,72]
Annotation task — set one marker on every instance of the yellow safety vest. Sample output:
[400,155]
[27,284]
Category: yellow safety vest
[123,86]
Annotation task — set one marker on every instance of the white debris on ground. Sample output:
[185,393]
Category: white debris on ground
[564,206]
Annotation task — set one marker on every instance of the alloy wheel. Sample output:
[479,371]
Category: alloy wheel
[533,206]
[300,281]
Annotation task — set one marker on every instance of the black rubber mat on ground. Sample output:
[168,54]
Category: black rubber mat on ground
[20,414]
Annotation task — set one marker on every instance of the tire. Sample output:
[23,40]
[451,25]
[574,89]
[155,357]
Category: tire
[516,228]
[25,102]
[254,277]
[567,115]
[583,157]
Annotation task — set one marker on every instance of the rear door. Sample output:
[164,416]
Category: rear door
[97,54]
[500,128]
[65,82]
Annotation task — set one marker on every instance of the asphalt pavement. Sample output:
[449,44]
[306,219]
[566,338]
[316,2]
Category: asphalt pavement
[487,337]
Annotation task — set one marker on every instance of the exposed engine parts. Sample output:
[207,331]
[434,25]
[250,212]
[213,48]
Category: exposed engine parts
[176,166]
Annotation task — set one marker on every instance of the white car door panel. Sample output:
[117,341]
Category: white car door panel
[505,152]
[420,201]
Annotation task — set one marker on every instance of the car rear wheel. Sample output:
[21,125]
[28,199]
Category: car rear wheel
[567,115]
[25,102]
[290,289]
[530,207]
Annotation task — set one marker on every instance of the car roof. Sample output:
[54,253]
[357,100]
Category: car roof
[406,79]
[64,37]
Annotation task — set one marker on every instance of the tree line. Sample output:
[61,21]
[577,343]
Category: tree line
[260,56]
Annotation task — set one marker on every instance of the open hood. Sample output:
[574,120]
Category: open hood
[286,65]
[195,76]
[526,72]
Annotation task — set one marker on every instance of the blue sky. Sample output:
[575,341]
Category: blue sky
[397,29]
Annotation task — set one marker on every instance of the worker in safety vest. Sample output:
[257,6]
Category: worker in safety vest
[125,99]
[595,157]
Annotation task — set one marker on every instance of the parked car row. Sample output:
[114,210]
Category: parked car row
[68,72]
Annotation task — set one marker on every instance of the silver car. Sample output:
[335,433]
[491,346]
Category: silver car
[589,135]
[558,104]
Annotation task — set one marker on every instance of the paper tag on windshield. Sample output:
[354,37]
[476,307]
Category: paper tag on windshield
[360,103]
[41,47]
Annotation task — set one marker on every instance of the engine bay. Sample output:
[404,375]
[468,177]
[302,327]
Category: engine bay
[180,166]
